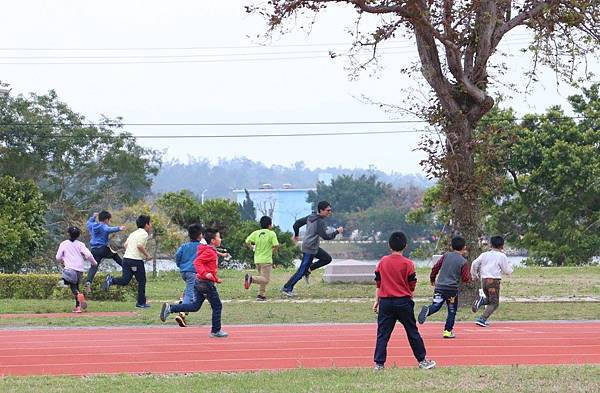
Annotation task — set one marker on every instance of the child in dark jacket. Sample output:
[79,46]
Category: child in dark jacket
[452,268]
[206,277]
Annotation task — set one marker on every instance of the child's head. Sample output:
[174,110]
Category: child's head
[212,237]
[324,209]
[265,222]
[74,233]
[497,242]
[458,243]
[104,216]
[195,231]
[397,241]
[143,222]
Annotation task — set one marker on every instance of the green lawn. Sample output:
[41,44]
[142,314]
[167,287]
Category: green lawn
[547,379]
[241,308]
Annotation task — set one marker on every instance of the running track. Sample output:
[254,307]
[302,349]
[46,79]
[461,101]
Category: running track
[85,351]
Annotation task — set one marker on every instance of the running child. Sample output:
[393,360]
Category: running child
[71,253]
[206,264]
[490,266]
[265,242]
[315,230]
[99,230]
[396,281]
[452,267]
[184,259]
[133,261]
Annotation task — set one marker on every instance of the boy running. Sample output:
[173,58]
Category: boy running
[133,261]
[452,267]
[206,263]
[184,259]
[98,227]
[71,253]
[265,243]
[490,266]
[315,230]
[396,281]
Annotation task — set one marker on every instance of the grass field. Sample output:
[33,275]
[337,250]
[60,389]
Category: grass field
[340,302]
[548,379]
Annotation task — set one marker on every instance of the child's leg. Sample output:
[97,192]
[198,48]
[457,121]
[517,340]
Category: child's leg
[212,295]
[140,276]
[190,281]
[114,256]
[98,254]
[127,273]
[75,291]
[302,269]
[437,303]
[194,306]
[491,288]
[406,316]
[452,305]
[323,258]
[264,271]
[386,320]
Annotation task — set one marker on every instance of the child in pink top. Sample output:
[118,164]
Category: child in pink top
[71,253]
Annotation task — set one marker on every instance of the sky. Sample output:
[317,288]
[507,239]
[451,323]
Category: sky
[196,61]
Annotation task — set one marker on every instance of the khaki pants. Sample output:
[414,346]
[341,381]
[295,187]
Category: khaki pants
[491,288]
[264,276]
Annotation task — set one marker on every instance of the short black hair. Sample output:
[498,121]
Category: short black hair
[265,221]
[194,231]
[458,243]
[497,241]
[322,206]
[397,241]
[104,215]
[210,234]
[142,221]
[74,233]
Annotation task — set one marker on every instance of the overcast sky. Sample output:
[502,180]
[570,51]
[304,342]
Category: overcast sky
[218,75]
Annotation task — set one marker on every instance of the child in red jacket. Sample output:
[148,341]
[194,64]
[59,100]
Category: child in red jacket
[206,277]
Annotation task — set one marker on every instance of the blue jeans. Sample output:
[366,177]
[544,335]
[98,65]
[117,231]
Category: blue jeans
[203,289]
[401,309]
[440,297]
[190,281]
[323,258]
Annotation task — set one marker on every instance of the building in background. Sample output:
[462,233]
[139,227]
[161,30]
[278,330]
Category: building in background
[284,205]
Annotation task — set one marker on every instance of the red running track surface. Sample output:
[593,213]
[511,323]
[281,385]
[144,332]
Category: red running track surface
[85,351]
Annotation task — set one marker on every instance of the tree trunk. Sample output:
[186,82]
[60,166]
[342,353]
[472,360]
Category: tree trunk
[461,189]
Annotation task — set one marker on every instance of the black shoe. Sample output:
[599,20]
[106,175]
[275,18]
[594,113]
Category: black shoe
[145,305]
[260,298]
[423,314]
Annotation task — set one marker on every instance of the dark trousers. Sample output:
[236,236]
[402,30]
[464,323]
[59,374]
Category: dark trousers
[441,296]
[203,289]
[307,265]
[131,268]
[401,309]
[100,253]
[491,288]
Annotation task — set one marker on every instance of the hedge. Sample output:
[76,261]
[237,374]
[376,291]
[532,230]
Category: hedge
[49,286]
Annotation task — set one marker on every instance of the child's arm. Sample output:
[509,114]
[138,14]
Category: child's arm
[436,269]
[60,254]
[297,225]
[506,266]
[378,285]
[465,273]
[142,249]
[88,255]
[475,267]
[179,256]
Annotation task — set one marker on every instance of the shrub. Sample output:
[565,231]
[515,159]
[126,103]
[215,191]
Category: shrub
[46,286]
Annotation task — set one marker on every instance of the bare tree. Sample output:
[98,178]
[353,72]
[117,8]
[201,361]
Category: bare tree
[456,40]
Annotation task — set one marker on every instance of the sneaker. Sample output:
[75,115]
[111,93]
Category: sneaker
[287,292]
[260,298]
[426,364]
[481,322]
[423,314]
[77,310]
[448,334]
[81,300]
[165,311]
[107,282]
[180,319]
[307,277]
[379,367]
[247,281]
[477,303]
[219,334]
[145,305]
[87,288]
